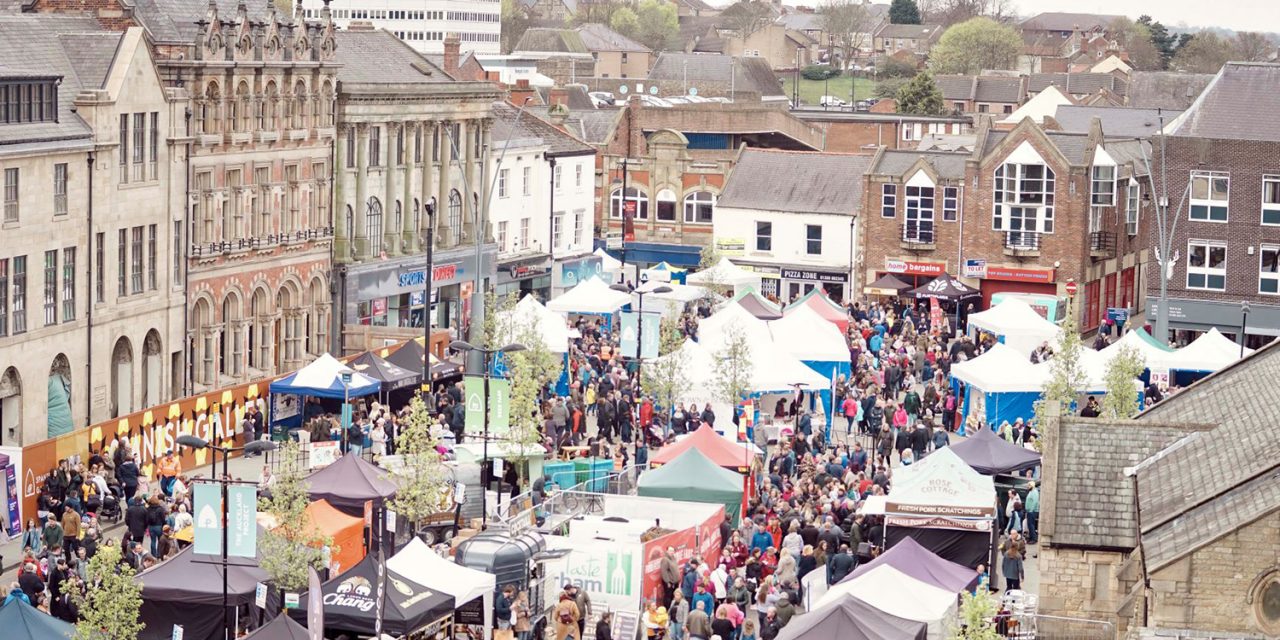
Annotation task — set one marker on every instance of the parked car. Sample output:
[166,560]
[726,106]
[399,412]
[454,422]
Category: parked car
[653,101]
[602,98]
[831,101]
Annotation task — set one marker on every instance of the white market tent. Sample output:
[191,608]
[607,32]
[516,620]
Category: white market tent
[670,303]
[1092,363]
[418,562]
[323,379]
[592,295]
[714,331]
[548,324]
[775,371]
[896,593]
[805,334]
[1156,359]
[697,364]
[725,274]
[999,369]
[608,262]
[1210,352]
[1016,324]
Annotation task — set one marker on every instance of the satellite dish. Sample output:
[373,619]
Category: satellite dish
[623,89]
[693,91]
[653,90]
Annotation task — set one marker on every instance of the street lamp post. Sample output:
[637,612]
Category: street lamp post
[640,323]
[346,409]
[487,362]
[427,276]
[253,446]
[1244,323]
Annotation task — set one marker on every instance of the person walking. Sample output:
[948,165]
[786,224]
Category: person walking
[698,624]
[1032,506]
[566,617]
[1011,567]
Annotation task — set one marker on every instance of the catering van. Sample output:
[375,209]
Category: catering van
[1052,308]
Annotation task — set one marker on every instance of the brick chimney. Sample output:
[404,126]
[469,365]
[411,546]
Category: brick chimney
[452,45]
[521,91]
[558,95]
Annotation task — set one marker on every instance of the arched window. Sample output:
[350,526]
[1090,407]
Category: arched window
[666,206]
[698,207]
[299,119]
[454,223]
[417,216]
[11,408]
[327,104]
[399,228]
[232,339]
[151,369]
[270,108]
[373,226]
[210,109]
[239,116]
[202,332]
[317,317]
[633,195]
[121,378]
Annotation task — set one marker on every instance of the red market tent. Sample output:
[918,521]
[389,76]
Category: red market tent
[828,309]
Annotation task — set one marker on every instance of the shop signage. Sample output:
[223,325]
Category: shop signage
[631,335]
[415,298]
[958,524]
[379,306]
[731,246]
[574,271]
[938,510]
[438,274]
[913,268]
[528,269]
[974,268]
[1016,274]
[820,276]
[613,240]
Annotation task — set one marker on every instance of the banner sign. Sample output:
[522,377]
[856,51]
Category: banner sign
[938,510]
[630,340]
[207,502]
[939,522]
[702,541]
[242,521]
[499,404]
[322,454]
[315,605]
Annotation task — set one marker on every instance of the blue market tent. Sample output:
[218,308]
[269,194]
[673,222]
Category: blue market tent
[323,379]
[22,621]
[1002,384]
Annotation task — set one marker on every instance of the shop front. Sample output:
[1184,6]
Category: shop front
[1189,318]
[1000,279]
[524,274]
[770,280]
[916,273]
[390,293]
[797,281]
[567,273]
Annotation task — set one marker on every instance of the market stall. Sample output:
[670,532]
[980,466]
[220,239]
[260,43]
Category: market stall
[280,628]
[1206,354]
[1158,357]
[852,619]
[664,272]
[1001,385]
[693,477]
[410,355]
[757,305]
[725,276]
[1016,325]
[830,311]
[349,483]
[323,379]
[346,531]
[22,621]
[187,590]
[918,562]
[886,285]
[472,590]
[389,376]
[351,599]
[989,454]
[892,591]
[669,303]
[591,297]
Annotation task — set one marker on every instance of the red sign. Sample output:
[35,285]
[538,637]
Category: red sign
[1015,274]
[444,272]
[912,268]
[702,541]
[1072,287]
[935,313]
[380,306]
[628,226]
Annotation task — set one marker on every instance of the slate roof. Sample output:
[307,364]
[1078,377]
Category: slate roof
[594,126]
[1211,483]
[816,182]
[801,21]
[577,96]
[1063,21]
[1072,145]
[1166,89]
[948,165]
[1124,152]
[1239,104]
[751,73]
[1122,122]
[1093,499]
[980,88]
[378,56]
[916,31]
[174,21]
[551,40]
[597,37]
[1076,83]
[532,128]
[32,45]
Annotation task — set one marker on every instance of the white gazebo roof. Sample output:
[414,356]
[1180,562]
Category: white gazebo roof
[592,295]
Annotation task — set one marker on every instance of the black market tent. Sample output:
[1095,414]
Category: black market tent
[989,454]
[852,619]
[409,356]
[350,482]
[886,285]
[391,376]
[187,590]
[350,602]
[693,477]
[22,621]
[946,288]
[280,628]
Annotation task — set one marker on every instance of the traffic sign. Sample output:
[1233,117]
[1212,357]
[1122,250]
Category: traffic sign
[1072,288]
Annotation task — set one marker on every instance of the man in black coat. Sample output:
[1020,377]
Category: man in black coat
[31,583]
[606,413]
[840,565]
[127,474]
[135,519]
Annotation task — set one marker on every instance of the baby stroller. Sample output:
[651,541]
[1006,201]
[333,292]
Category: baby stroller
[110,508]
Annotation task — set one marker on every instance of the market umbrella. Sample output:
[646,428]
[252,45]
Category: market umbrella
[350,602]
[22,621]
[852,619]
[990,454]
[944,287]
[392,376]
[887,285]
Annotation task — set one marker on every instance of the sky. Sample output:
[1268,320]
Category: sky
[1241,15]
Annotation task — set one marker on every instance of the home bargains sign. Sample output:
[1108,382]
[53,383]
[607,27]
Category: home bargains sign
[913,268]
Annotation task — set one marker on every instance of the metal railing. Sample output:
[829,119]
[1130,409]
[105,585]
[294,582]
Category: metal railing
[917,233]
[1022,240]
[560,505]
[1102,241]
[1030,626]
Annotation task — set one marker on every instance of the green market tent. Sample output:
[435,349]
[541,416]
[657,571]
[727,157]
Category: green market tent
[693,477]
[21,621]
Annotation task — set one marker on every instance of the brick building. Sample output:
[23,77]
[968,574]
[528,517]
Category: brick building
[864,132]
[1223,153]
[1021,213]
[982,94]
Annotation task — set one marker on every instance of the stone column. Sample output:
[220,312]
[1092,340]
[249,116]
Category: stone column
[390,234]
[443,183]
[361,243]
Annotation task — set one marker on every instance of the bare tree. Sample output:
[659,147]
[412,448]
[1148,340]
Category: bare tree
[848,23]
[748,16]
[1251,46]
[949,12]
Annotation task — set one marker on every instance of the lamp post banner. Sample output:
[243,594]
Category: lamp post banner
[207,499]
[242,510]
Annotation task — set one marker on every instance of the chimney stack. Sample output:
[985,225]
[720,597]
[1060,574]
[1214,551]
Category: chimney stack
[452,46]
[558,95]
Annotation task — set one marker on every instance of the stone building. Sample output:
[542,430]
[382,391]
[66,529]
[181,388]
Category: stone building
[409,156]
[92,166]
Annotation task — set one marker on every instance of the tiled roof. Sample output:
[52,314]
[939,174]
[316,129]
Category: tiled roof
[980,88]
[1092,499]
[816,182]
[1211,483]
[1241,103]
[174,21]
[576,93]
[1076,83]
[948,165]
[801,20]
[1137,152]
[532,128]
[916,31]
[1123,122]
[750,73]
[378,56]
[1166,89]
[551,41]
[31,45]
[593,126]
[1071,145]
[597,37]
[1060,21]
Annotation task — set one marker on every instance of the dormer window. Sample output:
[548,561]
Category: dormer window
[24,101]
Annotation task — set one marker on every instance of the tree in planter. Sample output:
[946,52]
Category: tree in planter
[732,379]
[1066,375]
[1121,400]
[110,605]
[422,481]
[977,613]
[667,376]
[295,543]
